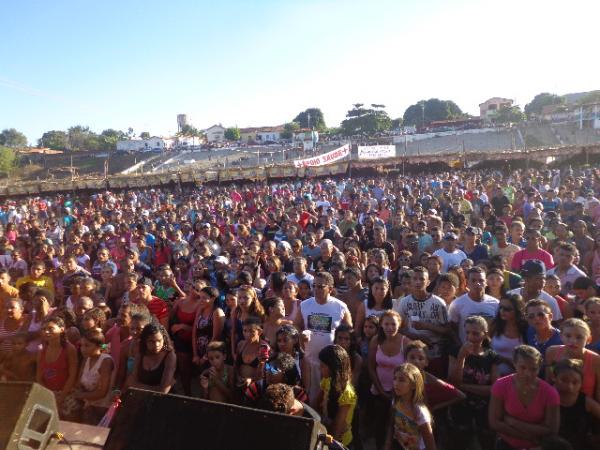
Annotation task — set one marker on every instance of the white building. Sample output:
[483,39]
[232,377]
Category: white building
[269,134]
[489,108]
[215,134]
[307,137]
[154,143]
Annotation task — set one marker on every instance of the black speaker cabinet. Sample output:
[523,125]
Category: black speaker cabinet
[151,421]
[28,416]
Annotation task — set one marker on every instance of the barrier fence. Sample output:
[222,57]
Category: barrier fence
[288,170]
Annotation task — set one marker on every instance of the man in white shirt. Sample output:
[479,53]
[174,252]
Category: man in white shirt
[474,303]
[319,317]
[451,256]
[534,280]
[565,269]
[424,317]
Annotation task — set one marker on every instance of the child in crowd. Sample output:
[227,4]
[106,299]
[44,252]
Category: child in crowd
[57,363]
[438,393]
[130,348]
[218,381]
[577,410]
[473,369]
[336,399]
[370,330]
[345,338]
[288,341]
[592,313]
[19,364]
[411,423]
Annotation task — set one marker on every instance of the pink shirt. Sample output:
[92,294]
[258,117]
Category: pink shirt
[504,388]
[525,255]
[385,367]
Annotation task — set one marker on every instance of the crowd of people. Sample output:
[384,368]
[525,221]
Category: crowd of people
[442,310]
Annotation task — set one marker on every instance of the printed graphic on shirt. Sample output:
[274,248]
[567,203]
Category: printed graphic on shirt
[320,323]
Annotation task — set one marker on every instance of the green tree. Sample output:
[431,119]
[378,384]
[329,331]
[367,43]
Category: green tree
[289,129]
[366,121]
[108,139]
[12,138]
[591,97]
[190,132]
[536,105]
[427,111]
[8,160]
[311,118]
[233,134]
[507,115]
[397,123]
[144,135]
[55,139]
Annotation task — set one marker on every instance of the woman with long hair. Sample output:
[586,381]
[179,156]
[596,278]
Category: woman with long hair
[208,323]
[377,302]
[248,305]
[156,362]
[508,330]
[181,325]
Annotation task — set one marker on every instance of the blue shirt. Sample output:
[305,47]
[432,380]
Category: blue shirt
[541,347]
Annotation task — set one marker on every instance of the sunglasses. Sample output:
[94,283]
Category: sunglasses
[532,316]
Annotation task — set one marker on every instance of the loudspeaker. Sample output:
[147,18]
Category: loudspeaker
[28,416]
[151,421]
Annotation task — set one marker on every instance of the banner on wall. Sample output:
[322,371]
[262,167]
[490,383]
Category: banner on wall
[376,151]
[325,158]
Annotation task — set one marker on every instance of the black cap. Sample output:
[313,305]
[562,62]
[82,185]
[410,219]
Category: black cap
[533,267]
[144,280]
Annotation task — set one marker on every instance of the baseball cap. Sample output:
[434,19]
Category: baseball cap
[144,280]
[222,260]
[473,230]
[533,267]
[450,236]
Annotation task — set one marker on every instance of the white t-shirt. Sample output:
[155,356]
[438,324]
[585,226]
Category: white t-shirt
[464,307]
[556,314]
[322,321]
[307,276]
[431,310]
[450,259]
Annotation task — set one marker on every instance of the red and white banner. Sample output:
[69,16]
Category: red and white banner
[326,158]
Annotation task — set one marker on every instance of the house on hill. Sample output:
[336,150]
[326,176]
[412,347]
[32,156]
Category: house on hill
[215,134]
[489,108]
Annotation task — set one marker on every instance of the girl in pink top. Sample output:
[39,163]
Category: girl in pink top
[524,409]
[386,352]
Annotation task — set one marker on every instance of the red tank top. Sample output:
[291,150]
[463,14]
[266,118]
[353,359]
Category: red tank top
[186,318]
[588,387]
[55,374]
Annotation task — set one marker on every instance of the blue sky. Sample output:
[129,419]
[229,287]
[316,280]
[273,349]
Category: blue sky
[132,63]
